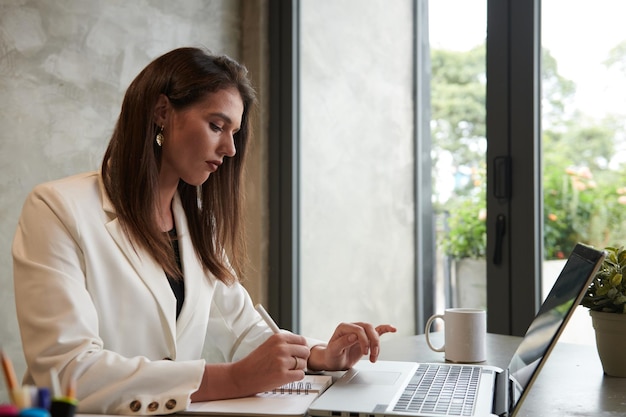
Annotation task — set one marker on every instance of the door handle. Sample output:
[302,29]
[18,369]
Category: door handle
[500,231]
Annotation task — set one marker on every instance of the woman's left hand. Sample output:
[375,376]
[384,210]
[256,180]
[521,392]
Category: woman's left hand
[349,343]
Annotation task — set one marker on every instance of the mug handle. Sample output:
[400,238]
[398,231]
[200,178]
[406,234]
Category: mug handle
[427,332]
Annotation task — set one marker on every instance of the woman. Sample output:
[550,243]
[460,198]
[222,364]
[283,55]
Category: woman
[126,279]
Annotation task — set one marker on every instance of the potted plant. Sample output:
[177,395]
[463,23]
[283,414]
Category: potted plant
[606,300]
[465,245]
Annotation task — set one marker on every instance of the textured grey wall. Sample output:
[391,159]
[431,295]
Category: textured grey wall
[64,67]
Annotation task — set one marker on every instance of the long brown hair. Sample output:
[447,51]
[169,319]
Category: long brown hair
[131,163]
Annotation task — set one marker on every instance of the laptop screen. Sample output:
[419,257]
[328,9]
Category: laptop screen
[549,322]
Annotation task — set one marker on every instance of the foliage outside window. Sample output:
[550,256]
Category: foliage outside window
[466,235]
[583,181]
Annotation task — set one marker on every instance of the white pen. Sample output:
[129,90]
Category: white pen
[267,318]
[56,384]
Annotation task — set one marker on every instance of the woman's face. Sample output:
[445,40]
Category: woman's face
[198,138]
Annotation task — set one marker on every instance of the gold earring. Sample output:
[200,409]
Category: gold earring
[160,138]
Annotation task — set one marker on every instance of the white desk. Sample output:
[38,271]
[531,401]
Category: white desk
[571,383]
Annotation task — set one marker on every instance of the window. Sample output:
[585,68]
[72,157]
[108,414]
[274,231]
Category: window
[357,203]
[349,102]
[583,134]
[459,144]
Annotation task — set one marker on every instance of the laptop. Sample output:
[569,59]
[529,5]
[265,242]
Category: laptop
[389,388]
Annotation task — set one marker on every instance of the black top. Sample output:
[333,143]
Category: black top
[178,285]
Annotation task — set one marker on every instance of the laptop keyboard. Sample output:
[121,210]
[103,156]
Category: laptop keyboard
[441,389]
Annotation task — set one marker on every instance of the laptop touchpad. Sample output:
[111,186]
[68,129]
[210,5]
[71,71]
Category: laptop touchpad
[375,378]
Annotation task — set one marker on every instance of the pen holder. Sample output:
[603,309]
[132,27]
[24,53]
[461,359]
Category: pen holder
[34,412]
[9,410]
[63,407]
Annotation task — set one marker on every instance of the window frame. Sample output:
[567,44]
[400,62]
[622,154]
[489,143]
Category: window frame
[513,133]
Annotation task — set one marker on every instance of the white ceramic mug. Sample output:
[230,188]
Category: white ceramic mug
[465,332]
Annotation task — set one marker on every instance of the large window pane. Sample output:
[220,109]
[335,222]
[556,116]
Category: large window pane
[583,133]
[457,31]
[357,245]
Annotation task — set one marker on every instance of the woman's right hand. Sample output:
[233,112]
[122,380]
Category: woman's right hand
[279,360]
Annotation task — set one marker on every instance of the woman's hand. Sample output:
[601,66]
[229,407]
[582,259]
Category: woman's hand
[349,343]
[279,360]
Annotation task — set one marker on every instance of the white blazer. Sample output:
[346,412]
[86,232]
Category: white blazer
[102,311]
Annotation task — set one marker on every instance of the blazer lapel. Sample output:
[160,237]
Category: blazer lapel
[147,269]
[198,287]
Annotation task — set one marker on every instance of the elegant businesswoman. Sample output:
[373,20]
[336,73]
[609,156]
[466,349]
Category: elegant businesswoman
[124,277]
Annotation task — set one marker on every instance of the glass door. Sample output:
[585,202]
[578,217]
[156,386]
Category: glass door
[457,37]
[359,115]
[350,235]
[583,134]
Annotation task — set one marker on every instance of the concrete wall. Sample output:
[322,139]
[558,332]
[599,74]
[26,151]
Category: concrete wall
[64,67]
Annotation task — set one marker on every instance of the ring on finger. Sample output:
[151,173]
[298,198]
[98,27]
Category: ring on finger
[295,366]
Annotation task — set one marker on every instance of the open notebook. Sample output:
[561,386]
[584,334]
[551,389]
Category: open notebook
[292,399]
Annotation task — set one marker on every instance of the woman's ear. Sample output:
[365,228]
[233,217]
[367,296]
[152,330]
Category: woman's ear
[161,110]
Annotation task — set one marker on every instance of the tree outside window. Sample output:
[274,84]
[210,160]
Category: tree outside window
[583,167]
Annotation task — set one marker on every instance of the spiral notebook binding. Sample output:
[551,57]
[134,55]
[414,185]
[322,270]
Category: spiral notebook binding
[296,388]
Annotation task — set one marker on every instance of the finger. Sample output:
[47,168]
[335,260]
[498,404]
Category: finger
[301,352]
[385,328]
[373,340]
[296,368]
[293,366]
[300,363]
[341,342]
[296,375]
[291,344]
[352,333]
[373,337]
[292,363]
[298,350]
[292,338]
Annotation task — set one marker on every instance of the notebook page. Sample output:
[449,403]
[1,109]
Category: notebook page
[289,400]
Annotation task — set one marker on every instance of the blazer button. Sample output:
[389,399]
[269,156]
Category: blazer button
[153,406]
[170,404]
[135,406]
